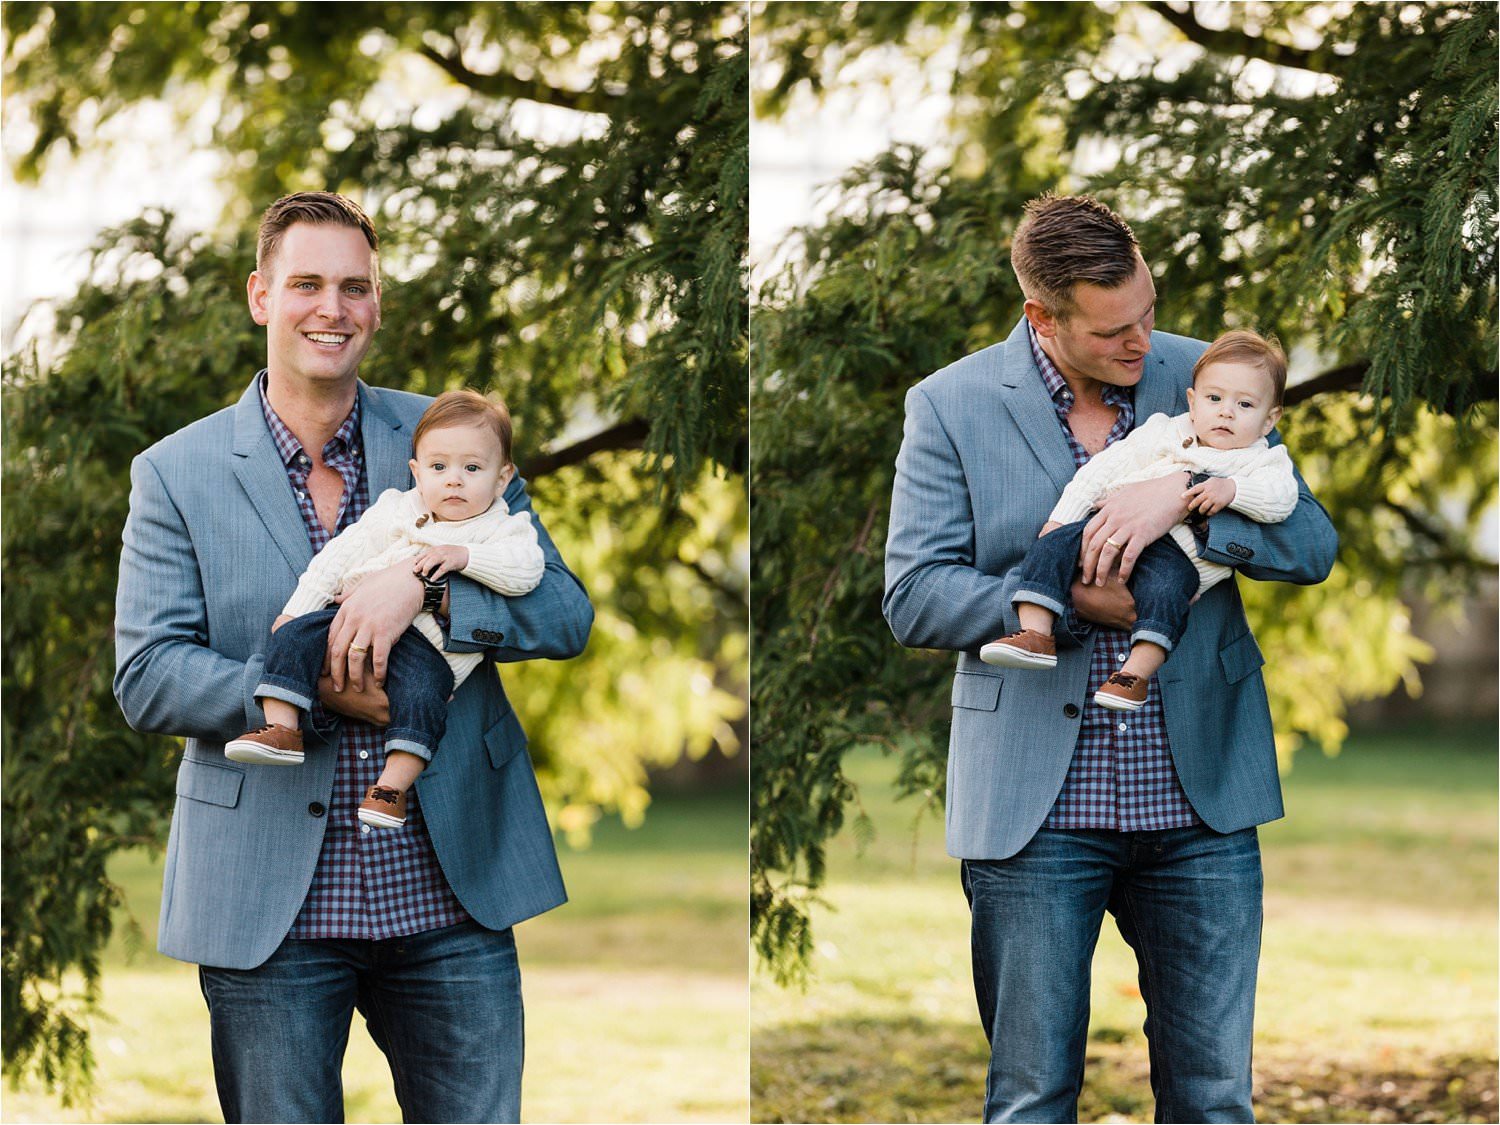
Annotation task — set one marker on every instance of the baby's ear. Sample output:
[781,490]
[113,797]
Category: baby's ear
[506,475]
[1271,419]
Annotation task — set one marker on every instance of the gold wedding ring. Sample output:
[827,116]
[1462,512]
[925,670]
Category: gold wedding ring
[1116,546]
[359,648]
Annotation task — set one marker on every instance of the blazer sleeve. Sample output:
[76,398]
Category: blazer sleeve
[1301,549]
[167,679]
[935,597]
[552,621]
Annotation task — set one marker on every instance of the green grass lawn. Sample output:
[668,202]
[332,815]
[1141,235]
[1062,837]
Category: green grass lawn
[1377,997]
[636,997]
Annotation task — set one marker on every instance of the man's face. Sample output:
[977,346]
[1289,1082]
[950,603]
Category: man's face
[320,303]
[1108,333]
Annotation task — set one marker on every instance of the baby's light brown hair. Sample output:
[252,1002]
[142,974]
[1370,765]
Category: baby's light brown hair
[1253,349]
[466,408]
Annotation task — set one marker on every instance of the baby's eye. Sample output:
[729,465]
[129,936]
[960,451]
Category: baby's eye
[438,466]
[1247,406]
[1213,398]
[473,468]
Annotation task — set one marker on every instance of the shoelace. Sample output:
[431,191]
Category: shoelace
[1124,679]
[384,793]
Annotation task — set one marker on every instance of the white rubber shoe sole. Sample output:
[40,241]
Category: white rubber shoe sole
[1004,656]
[258,755]
[1116,703]
[378,819]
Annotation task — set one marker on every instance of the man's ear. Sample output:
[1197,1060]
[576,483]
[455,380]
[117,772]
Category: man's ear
[258,293]
[1041,318]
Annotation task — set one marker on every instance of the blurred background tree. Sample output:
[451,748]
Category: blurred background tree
[1325,172]
[592,271]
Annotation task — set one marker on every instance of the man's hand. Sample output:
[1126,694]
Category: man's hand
[1128,522]
[1213,495]
[371,618]
[368,706]
[438,561]
[1111,605]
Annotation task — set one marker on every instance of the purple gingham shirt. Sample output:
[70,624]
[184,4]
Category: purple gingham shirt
[1121,776]
[371,883]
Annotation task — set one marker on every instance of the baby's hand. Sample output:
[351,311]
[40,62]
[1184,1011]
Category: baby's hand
[438,561]
[280,621]
[1213,495]
[1048,528]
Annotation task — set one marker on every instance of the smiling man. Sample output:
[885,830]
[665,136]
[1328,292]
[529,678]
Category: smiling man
[1062,810]
[296,913]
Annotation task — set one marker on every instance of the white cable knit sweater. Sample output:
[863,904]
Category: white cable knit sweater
[1265,488]
[503,554]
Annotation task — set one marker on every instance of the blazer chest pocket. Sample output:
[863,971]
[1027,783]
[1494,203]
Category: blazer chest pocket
[209,782]
[1240,657]
[505,739]
[976,692]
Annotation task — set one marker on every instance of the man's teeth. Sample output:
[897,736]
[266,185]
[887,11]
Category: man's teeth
[326,337]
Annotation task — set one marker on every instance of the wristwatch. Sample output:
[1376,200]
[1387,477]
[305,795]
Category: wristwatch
[1197,522]
[432,594]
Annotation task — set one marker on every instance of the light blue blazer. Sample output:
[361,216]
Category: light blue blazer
[213,546]
[982,462]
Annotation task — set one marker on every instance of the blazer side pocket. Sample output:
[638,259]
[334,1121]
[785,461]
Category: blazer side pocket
[209,782]
[976,691]
[1240,657]
[505,739]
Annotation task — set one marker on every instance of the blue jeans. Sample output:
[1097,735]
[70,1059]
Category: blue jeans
[418,680]
[1163,583]
[444,1006]
[1187,900]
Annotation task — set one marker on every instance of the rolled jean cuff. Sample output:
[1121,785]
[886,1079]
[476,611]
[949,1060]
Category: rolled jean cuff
[286,691]
[1148,631]
[1033,597]
[409,741]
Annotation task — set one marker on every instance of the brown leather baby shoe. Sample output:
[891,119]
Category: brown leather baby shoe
[383,807]
[1123,692]
[1026,649]
[270,745]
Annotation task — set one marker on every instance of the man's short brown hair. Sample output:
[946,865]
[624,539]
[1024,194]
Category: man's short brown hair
[466,408]
[1067,240]
[316,207]
[1252,349]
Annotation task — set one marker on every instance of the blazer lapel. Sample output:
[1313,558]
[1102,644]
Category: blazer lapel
[387,443]
[1157,392]
[262,475]
[1025,396]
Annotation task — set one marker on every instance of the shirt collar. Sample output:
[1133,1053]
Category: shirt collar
[344,439]
[1057,386]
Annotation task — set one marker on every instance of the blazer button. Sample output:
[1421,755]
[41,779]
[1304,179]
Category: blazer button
[1070,710]
[316,808]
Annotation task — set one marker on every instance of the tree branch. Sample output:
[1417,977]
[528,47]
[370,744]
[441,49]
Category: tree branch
[502,85]
[1450,550]
[1349,377]
[1227,41]
[630,434]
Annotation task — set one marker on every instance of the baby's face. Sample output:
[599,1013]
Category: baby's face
[460,470]
[1232,405]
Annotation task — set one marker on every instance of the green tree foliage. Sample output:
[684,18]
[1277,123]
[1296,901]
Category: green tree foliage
[591,271]
[1324,172]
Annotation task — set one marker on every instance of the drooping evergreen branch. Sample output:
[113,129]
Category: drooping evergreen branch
[1347,377]
[501,85]
[630,434]
[1450,551]
[1227,41]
